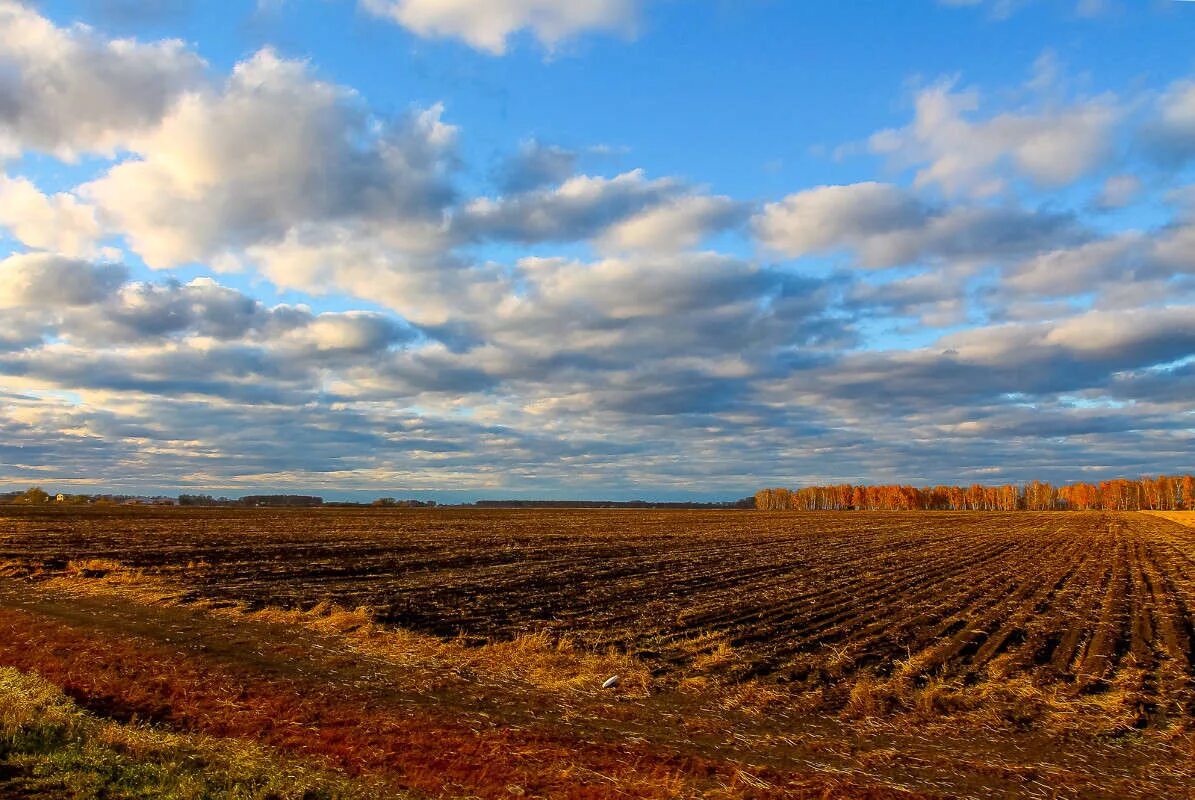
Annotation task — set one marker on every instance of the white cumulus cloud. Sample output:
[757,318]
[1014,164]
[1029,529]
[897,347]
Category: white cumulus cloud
[70,90]
[58,222]
[271,150]
[965,154]
[489,24]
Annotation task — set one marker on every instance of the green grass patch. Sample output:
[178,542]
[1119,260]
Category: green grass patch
[49,747]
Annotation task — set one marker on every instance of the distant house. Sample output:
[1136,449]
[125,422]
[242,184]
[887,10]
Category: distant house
[60,498]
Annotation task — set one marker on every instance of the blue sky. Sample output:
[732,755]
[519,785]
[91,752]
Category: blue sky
[593,248]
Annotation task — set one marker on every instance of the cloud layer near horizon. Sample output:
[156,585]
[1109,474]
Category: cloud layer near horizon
[565,332]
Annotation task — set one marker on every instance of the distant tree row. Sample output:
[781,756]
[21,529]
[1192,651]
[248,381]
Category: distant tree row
[36,496]
[1161,493]
[390,502]
[30,497]
[744,503]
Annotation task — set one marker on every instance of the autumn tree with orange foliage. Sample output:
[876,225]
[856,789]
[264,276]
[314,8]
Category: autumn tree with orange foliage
[1161,493]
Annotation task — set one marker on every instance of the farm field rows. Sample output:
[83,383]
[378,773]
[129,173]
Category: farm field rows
[1071,628]
[1185,518]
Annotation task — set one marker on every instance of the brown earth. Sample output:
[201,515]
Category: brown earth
[769,655]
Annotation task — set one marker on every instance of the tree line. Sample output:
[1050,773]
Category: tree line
[1161,493]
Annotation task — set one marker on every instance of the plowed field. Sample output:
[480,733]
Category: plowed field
[855,615]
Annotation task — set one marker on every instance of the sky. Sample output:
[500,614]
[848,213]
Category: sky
[622,249]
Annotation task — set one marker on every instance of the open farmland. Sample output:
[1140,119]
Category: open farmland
[1066,597]
[786,633]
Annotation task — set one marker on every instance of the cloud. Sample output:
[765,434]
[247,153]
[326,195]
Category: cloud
[999,9]
[489,24]
[1119,191]
[69,91]
[1169,135]
[536,165]
[182,442]
[1010,363]
[884,225]
[632,308]
[1051,146]
[600,374]
[578,208]
[830,217]
[1137,337]
[1115,265]
[59,222]
[1069,271]
[1174,246]
[560,332]
[41,280]
[145,311]
[679,224]
[89,305]
[936,298]
[346,333]
[271,150]
[427,288]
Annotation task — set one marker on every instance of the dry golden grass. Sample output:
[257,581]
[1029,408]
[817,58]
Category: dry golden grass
[1186,518]
[92,567]
[538,660]
[543,662]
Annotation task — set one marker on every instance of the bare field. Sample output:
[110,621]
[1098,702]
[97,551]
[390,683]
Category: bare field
[1068,597]
[1042,628]
[1186,518]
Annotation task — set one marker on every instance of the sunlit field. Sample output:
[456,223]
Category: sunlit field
[463,652]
